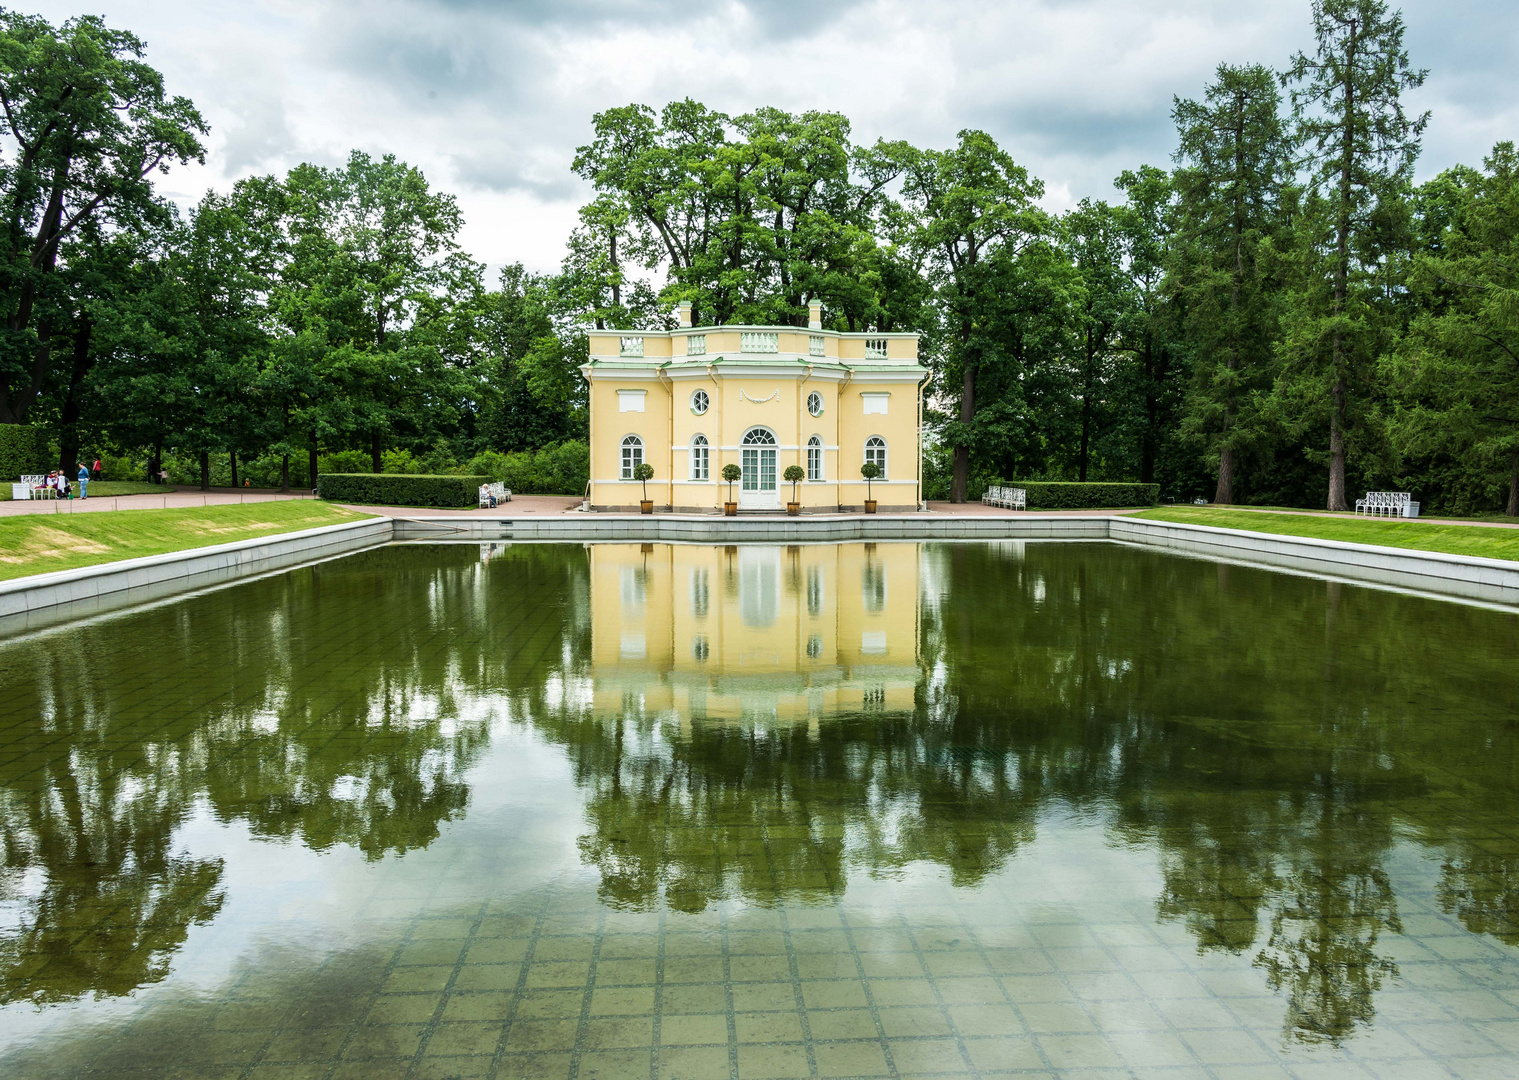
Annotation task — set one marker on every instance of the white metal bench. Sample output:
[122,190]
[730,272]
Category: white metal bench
[1010,498]
[33,487]
[500,492]
[1387,504]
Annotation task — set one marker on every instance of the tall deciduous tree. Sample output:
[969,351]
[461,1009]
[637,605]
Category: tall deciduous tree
[1235,157]
[1347,99]
[976,211]
[88,123]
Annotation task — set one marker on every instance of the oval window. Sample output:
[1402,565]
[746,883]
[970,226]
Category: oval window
[699,402]
[815,403]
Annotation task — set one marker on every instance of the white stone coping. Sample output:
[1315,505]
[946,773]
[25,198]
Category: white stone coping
[189,567]
[60,593]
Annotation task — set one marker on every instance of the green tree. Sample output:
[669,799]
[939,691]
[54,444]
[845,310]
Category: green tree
[1233,186]
[88,124]
[1360,148]
[975,218]
[1458,364]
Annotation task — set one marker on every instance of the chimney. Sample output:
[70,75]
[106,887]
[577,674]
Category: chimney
[814,314]
[685,313]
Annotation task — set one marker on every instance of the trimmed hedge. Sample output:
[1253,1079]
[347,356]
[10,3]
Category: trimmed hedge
[398,489]
[23,451]
[1064,496]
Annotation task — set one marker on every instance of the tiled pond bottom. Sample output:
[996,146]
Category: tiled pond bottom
[858,811]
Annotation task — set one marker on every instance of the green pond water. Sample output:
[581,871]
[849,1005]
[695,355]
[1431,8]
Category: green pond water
[750,813]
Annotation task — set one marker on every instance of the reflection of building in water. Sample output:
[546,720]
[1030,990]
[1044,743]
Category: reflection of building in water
[755,631]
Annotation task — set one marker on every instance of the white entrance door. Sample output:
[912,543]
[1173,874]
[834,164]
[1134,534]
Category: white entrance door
[757,490]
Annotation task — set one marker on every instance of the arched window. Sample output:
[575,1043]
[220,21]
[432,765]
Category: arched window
[815,403]
[699,402]
[632,455]
[814,458]
[700,457]
[875,450]
[759,437]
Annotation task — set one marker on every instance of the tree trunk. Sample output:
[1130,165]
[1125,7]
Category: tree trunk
[374,452]
[68,435]
[1513,485]
[1337,446]
[205,470]
[311,461]
[1225,493]
[961,480]
[232,457]
[285,472]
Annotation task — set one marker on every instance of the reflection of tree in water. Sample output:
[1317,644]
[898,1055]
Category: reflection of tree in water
[1259,732]
[777,812]
[340,704]
[1265,754]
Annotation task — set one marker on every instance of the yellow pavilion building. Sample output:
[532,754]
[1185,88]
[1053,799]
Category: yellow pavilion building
[691,400]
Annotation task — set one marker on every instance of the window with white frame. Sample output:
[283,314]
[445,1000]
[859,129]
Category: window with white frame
[875,452]
[814,458]
[632,346]
[815,403]
[631,400]
[700,402]
[632,455]
[759,343]
[700,458]
[875,402]
[696,345]
[815,345]
[875,348]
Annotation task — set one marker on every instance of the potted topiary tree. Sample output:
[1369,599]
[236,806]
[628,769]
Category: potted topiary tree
[870,470]
[794,475]
[644,472]
[731,472]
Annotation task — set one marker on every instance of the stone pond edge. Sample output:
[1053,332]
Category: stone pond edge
[129,582]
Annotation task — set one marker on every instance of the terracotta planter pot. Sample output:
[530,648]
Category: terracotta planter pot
[730,509]
[793,509]
[870,506]
[646,506]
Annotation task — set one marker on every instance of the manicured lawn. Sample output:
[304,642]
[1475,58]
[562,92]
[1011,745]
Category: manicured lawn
[103,488]
[41,543]
[1486,542]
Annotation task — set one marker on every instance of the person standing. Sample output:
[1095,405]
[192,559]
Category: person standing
[96,469]
[84,481]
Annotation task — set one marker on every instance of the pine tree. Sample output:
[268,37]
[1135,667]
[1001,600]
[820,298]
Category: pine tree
[1233,182]
[1360,151]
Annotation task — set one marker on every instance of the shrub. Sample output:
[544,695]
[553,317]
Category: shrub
[23,451]
[1072,496]
[560,469]
[399,462]
[395,489]
[344,461]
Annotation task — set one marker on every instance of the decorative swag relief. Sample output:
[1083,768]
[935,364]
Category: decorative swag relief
[774,395]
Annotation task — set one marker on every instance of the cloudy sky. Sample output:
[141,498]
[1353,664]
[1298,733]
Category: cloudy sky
[491,99]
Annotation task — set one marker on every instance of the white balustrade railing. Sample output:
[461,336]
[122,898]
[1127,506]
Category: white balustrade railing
[632,346]
[759,343]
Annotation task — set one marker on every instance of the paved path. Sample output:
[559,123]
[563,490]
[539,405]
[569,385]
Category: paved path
[540,505]
[168,499]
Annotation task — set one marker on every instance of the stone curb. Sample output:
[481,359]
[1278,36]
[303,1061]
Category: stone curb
[1493,581]
[182,570]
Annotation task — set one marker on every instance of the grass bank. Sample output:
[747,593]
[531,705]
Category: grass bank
[1476,540]
[42,543]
